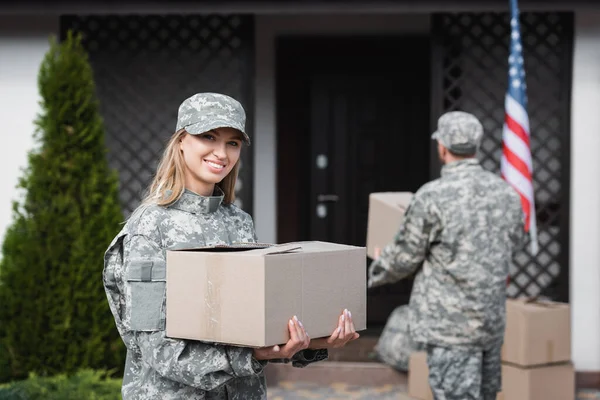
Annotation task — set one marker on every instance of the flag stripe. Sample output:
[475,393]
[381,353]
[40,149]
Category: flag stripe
[517,146]
[516,162]
[517,129]
[518,181]
[517,112]
[522,187]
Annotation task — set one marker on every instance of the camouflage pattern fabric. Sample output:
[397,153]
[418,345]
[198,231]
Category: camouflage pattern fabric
[205,111]
[395,344]
[459,132]
[134,276]
[464,374]
[459,233]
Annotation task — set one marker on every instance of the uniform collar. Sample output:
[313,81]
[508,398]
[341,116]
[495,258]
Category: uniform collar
[469,164]
[196,204]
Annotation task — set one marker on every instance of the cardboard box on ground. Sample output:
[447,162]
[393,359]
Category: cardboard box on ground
[245,294]
[537,333]
[535,356]
[551,382]
[418,378]
[547,382]
[386,211]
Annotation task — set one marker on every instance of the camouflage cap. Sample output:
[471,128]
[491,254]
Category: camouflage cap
[459,132]
[205,111]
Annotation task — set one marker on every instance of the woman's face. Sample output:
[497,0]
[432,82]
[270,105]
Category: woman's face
[209,157]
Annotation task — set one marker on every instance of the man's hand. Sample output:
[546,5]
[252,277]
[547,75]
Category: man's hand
[299,340]
[343,334]
[377,252]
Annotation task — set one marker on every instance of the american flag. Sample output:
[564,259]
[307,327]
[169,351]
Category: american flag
[516,165]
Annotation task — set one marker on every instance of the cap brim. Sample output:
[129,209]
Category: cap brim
[435,135]
[202,127]
[464,149]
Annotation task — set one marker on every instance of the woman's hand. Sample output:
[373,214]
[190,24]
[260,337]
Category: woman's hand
[299,340]
[343,334]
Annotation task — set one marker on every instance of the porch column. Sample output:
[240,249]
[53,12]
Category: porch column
[585,193]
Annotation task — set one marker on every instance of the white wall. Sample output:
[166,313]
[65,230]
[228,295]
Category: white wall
[23,43]
[268,27]
[585,193]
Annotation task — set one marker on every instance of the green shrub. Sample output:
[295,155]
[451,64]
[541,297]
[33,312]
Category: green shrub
[54,317]
[84,385]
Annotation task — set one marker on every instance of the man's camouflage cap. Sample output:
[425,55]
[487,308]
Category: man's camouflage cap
[205,111]
[459,132]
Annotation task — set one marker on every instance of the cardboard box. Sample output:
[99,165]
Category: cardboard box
[386,211]
[552,382]
[246,295]
[537,333]
[418,378]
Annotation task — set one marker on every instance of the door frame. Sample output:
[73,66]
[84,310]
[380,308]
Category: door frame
[292,148]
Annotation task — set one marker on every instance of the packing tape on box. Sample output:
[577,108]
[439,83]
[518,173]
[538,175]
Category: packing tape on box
[212,299]
[535,301]
[215,279]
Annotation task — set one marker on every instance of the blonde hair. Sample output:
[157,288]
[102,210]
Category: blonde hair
[169,182]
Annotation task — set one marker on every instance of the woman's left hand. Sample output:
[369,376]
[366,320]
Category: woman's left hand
[343,334]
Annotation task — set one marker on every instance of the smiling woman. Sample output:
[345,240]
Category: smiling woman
[190,204]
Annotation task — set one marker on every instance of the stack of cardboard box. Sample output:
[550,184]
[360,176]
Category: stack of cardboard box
[418,378]
[537,351]
[535,356]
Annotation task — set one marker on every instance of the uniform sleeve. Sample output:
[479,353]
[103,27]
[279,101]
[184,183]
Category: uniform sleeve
[406,253]
[193,363]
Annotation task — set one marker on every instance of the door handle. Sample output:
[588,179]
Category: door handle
[327,198]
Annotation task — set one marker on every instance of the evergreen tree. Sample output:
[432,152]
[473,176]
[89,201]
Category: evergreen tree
[54,316]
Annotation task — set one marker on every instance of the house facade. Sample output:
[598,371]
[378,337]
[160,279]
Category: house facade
[341,100]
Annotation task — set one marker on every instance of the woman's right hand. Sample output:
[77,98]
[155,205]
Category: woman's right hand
[299,340]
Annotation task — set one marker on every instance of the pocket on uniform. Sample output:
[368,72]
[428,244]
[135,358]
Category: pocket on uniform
[147,279]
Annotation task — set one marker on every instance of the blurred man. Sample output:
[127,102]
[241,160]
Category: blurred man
[460,232]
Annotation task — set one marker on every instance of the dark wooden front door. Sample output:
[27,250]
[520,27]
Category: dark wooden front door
[353,118]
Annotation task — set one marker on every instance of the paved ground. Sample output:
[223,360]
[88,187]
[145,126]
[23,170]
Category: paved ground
[588,394]
[336,391]
[340,391]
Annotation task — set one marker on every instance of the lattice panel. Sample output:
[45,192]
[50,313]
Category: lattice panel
[145,66]
[474,50]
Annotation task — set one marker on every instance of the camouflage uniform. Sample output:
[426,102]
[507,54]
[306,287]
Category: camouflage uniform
[162,368]
[459,233]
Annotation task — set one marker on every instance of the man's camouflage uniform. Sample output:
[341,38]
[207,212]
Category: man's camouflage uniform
[460,232]
[162,368]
